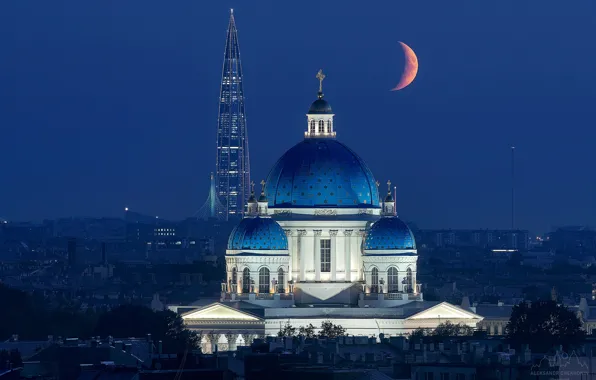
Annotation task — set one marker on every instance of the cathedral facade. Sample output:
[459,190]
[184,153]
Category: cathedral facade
[320,242]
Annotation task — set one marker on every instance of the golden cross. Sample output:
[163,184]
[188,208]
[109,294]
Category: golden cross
[389,186]
[320,77]
[252,186]
[377,183]
[262,185]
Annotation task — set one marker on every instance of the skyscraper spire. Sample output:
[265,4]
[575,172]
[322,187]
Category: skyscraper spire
[233,165]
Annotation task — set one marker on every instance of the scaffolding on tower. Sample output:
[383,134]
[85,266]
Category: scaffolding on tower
[212,208]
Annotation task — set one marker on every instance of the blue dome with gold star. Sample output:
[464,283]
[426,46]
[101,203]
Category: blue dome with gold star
[321,172]
[256,233]
[389,233]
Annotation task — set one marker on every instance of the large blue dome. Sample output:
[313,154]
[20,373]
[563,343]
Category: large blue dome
[259,234]
[389,233]
[321,172]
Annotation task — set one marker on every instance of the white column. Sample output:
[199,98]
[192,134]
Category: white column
[302,255]
[294,259]
[291,264]
[333,234]
[348,255]
[317,254]
[357,251]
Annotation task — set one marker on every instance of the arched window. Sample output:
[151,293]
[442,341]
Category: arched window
[264,280]
[312,126]
[409,288]
[280,281]
[374,281]
[321,126]
[234,279]
[329,126]
[392,280]
[246,280]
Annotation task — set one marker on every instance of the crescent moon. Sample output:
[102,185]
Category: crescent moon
[410,68]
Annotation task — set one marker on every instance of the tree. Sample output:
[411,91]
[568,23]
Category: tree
[308,331]
[329,330]
[447,329]
[419,333]
[134,320]
[287,330]
[543,325]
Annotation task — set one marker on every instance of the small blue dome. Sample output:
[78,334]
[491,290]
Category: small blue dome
[389,233]
[320,106]
[321,172]
[258,233]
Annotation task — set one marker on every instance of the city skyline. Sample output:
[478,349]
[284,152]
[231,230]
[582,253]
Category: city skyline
[113,115]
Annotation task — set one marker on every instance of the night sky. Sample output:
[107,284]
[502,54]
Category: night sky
[107,104]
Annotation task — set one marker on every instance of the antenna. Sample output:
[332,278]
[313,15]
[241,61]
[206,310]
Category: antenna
[512,187]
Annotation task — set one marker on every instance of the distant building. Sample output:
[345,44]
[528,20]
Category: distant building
[571,239]
[72,252]
[485,239]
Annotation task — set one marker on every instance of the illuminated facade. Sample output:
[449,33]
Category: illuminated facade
[232,164]
[321,243]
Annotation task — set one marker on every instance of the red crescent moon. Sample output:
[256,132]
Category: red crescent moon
[410,68]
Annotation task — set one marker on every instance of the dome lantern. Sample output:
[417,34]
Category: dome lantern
[252,205]
[320,115]
[389,202]
[263,203]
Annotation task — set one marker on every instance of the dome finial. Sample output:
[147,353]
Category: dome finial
[263,200]
[252,187]
[320,76]
[388,186]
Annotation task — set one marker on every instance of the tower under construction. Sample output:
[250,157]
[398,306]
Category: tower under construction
[232,176]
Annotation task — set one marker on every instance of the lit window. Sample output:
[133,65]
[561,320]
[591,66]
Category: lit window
[329,126]
[280,281]
[374,281]
[246,280]
[326,255]
[321,126]
[312,126]
[264,280]
[392,280]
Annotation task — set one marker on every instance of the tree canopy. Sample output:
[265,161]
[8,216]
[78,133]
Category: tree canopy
[328,330]
[25,313]
[443,330]
[543,324]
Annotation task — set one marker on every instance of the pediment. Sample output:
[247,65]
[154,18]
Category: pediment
[219,311]
[445,311]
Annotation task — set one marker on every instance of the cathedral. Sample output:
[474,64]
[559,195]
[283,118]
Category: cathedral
[321,241]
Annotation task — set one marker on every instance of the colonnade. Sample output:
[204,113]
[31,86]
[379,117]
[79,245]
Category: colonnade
[305,249]
[226,341]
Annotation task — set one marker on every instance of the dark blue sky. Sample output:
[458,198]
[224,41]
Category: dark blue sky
[111,103]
